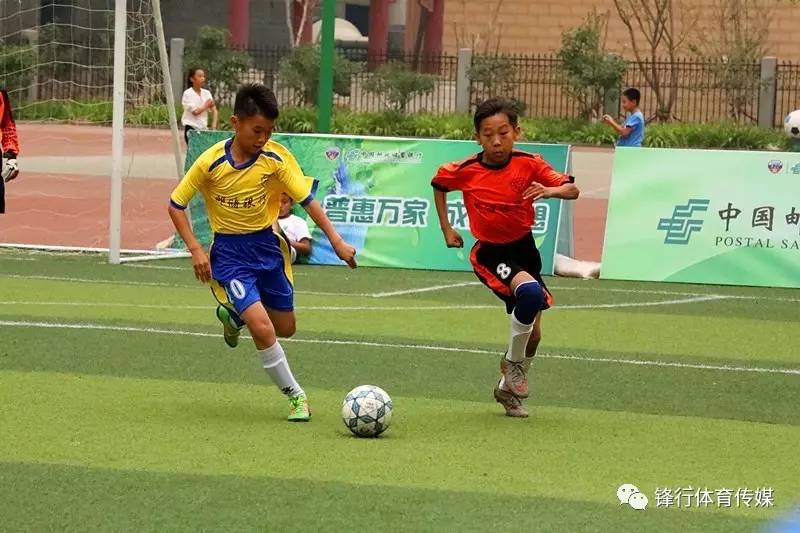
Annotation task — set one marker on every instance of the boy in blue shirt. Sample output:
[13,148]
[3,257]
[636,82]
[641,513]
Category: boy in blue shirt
[631,133]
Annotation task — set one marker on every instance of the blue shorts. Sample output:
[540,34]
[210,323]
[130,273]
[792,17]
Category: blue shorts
[252,267]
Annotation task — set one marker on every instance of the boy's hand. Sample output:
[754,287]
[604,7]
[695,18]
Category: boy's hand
[202,267]
[536,191]
[10,169]
[608,119]
[345,252]
[452,238]
[210,104]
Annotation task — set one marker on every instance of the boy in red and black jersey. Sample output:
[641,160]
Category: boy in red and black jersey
[500,185]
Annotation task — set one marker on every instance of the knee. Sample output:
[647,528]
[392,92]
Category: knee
[262,331]
[529,301]
[286,330]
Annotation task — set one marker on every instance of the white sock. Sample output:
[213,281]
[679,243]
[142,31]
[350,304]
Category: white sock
[273,359]
[520,333]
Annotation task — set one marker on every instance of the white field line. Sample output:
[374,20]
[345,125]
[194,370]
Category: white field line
[418,290]
[357,307]
[426,347]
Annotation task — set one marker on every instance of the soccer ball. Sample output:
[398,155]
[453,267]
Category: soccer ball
[792,124]
[367,411]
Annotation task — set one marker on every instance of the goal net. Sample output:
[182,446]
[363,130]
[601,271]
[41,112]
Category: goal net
[99,146]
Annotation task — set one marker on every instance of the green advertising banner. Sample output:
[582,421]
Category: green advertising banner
[700,216]
[377,193]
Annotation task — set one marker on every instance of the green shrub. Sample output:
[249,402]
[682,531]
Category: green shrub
[398,85]
[299,71]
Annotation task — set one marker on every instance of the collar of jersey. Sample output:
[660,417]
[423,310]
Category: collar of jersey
[494,167]
[229,157]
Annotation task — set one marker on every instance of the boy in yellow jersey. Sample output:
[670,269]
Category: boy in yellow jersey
[241,180]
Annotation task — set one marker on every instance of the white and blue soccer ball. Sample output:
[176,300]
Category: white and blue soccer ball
[791,124]
[367,411]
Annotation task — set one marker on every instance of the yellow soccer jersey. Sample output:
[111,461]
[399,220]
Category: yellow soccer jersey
[244,198]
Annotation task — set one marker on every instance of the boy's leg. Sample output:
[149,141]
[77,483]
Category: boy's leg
[533,340]
[528,301]
[284,321]
[226,313]
[273,359]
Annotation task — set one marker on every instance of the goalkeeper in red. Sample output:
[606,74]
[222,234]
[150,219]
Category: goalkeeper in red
[500,185]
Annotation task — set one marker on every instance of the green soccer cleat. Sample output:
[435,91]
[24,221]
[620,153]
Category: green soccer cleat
[298,409]
[229,330]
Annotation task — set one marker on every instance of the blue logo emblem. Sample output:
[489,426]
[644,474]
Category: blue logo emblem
[680,227]
[775,166]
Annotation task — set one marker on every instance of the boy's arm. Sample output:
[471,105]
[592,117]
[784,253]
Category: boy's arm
[200,262]
[214,117]
[451,236]
[344,251]
[622,130]
[548,183]
[178,200]
[303,246]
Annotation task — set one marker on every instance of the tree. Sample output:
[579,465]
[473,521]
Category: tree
[734,45]
[300,71]
[398,85]
[664,25]
[222,64]
[488,38]
[588,71]
[299,13]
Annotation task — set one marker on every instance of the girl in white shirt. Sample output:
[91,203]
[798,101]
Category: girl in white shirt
[294,228]
[196,102]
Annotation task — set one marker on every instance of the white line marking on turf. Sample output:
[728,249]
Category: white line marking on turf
[184,268]
[674,293]
[427,347]
[411,291]
[425,289]
[708,298]
[363,307]
[88,280]
[154,267]
[211,306]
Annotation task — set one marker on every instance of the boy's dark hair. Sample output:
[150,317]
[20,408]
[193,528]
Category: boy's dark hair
[190,75]
[632,94]
[493,106]
[255,99]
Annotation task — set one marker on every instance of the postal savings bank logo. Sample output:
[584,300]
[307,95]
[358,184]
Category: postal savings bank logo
[684,221]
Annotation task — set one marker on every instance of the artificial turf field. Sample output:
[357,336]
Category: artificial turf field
[122,409]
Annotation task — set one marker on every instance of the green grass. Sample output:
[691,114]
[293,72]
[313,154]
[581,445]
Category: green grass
[139,417]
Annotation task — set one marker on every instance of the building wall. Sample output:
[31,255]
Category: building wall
[535,26]
[268,27]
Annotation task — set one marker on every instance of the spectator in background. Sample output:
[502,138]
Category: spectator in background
[294,228]
[9,147]
[196,102]
[631,132]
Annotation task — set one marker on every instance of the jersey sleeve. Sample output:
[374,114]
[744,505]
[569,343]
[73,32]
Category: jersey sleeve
[634,121]
[299,187]
[190,184]
[446,178]
[8,128]
[546,175]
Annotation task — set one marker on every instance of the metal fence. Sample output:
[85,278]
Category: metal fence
[699,90]
[295,85]
[788,89]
